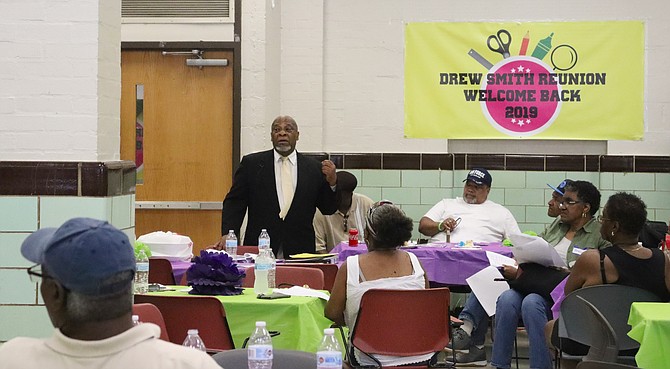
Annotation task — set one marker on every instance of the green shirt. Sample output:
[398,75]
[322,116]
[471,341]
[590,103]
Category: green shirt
[586,237]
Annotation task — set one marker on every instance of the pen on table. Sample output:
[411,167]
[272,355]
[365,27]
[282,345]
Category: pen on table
[499,279]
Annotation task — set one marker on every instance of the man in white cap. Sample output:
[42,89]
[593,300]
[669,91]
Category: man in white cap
[471,217]
[85,270]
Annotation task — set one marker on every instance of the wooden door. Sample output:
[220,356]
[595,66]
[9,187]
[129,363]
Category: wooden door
[185,141]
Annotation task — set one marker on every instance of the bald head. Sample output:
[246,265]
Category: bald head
[284,134]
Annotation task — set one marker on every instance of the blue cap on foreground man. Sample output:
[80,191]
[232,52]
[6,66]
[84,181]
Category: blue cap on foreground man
[85,270]
[81,253]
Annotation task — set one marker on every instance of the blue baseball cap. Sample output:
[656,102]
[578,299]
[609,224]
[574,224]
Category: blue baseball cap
[479,176]
[81,254]
[561,186]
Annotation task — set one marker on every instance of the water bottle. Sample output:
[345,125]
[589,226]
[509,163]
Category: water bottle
[136,320]
[263,240]
[231,244]
[262,271]
[141,273]
[193,340]
[329,354]
[272,283]
[259,351]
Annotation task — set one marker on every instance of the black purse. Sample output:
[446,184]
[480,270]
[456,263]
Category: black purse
[537,278]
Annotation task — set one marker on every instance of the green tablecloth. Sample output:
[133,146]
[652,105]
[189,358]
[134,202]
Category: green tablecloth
[650,325]
[299,319]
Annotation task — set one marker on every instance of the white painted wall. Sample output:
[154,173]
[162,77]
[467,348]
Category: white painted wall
[59,80]
[358,88]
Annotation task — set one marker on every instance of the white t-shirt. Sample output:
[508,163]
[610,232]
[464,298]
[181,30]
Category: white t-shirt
[485,222]
[138,347]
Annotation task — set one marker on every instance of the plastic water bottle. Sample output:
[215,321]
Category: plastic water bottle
[259,351]
[263,240]
[136,320]
[231,244]
[262,271]
[272,282]
[193,340]
[329,354]
[141,273]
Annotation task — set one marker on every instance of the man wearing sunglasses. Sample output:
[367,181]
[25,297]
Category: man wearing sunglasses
[351,212]
[471,217]
[85,271]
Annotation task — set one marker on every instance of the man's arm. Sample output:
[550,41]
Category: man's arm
[320,232]
[235,203]
[327,201]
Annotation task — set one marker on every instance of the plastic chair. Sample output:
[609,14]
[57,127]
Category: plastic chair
[604,343]
[204,313]
[613,302]
[329,272]
[149,313]
[402,322]
[295,276]
[160,271]
[590,364]
[282,359]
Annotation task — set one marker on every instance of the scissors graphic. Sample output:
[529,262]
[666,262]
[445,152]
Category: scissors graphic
[502,43]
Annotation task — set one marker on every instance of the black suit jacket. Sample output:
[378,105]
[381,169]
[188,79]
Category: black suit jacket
[254,189]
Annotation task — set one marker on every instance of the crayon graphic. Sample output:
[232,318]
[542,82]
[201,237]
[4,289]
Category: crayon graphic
[524,43]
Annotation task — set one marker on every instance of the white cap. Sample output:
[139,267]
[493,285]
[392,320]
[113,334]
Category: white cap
[260,323]
[192,332]
[329,331]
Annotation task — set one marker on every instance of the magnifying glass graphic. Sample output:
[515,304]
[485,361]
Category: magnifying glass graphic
[563,57]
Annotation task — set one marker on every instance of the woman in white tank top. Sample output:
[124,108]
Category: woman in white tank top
[383,266]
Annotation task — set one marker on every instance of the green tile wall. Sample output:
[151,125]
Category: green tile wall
[525,193]
[21,308]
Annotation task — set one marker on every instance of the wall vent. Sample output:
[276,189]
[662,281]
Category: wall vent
[177,11]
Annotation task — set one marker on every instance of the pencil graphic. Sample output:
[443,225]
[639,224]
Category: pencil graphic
[524,43]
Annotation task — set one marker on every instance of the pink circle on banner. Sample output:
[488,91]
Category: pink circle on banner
[521,97]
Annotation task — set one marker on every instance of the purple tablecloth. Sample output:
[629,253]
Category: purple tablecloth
[444,263]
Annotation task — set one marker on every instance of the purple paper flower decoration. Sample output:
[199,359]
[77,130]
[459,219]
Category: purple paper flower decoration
[214,273]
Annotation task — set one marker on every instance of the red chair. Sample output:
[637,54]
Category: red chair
[329,272]
[204,313]
[296,276]
[149,313]
[160,271]
[241,250]
[402,322]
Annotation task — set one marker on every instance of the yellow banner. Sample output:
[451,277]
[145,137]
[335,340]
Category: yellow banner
[554,80]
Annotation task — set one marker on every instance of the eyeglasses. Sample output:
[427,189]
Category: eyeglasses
[601,219]
[566,203]
[35,273]
[371,213]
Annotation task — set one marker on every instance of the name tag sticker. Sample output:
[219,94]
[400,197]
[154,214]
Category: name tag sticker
[577,250]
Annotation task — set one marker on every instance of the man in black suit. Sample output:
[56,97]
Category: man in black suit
[281,190]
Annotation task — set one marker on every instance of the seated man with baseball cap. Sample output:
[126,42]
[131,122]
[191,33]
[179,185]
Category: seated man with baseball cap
[471,217]
[352,210]
[86,269]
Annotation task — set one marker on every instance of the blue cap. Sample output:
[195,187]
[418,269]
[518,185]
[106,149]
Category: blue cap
[479,176]
[561,186]
[82,253]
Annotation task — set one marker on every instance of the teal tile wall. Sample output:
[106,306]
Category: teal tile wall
[19,213]
[21,308]
[525,193]
[26,321]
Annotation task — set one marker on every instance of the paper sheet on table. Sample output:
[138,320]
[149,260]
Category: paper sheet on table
[533,249]
[498,260]
[302,291]
[486,288]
